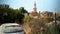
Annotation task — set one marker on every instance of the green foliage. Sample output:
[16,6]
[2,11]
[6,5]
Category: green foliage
[54,29]
[58,18]
[8,15]
[22,10]
[48,19]
[28,18]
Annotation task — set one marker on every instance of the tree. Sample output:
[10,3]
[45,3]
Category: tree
[10,15]
[22,10]
[58,18]
[28,18]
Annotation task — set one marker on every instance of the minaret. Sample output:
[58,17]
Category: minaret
[34,12]
[35,9]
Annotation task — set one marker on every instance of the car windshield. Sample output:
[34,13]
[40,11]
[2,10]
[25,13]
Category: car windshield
[12,29]
[13,26]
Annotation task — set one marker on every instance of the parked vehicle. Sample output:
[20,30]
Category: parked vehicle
[11,28]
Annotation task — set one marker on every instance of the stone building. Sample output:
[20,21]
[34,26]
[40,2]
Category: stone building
[43,14]
[34,12]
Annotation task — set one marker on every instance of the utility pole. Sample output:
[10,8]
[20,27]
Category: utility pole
[55,23]
[55,19]
[39,15]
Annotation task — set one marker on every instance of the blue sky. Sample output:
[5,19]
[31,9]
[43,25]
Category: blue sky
[42,5]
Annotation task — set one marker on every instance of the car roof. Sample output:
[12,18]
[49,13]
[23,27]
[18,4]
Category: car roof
[9,24]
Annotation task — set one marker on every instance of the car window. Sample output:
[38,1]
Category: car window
[10,29]
[13,26]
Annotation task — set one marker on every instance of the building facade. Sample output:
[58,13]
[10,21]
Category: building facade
[34,12]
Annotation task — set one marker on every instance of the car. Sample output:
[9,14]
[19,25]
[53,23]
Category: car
[11,28]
